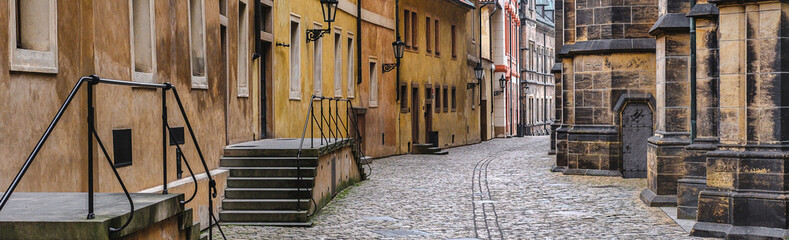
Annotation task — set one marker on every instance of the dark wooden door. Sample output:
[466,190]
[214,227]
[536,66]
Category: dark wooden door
[414,115]
[636,128]
[483,120]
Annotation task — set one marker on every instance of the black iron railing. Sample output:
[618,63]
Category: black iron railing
[332,129]
[91,82]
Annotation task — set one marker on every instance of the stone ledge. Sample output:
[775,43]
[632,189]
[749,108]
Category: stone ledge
[719,230]
[653,200]
[670,22]
[63,215]
[592,172]
[703,10]
[609,46]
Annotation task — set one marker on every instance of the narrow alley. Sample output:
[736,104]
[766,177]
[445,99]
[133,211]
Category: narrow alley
[515,196]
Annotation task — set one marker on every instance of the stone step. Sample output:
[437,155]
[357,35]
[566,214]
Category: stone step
[268,162]
[194,232]
[265,204]
[267,193]
[269,182]
[275,224]
[263,215]
[271,171]
[441,153]
[185,220]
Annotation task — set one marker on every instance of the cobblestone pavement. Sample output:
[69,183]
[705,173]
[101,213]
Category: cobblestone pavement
[515,197]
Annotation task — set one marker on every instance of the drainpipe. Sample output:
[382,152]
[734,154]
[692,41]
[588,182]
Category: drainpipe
[544,83]
[692,75]
[492,72]
[397,60]
[359,43]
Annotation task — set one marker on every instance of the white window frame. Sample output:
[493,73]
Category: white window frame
[317,63]
[143,76]
[351,66]
[373,82]
[27,60]
[242,78]
[295,47]
[198,82]
[338,41]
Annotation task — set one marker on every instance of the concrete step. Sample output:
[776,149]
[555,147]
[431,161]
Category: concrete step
[275,224]
[267,193]
[271,171]
[268,162]
[269,182]
[263,215]
[185,219]
[194,232]
[265,204]
[442,152]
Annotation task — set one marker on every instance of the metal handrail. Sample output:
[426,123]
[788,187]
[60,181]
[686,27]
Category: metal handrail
[95,80]
[334,125]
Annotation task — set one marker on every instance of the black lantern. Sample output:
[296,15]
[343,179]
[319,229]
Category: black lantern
[502,82]
[399,47]
[478,72]
[525,85]
[329,8]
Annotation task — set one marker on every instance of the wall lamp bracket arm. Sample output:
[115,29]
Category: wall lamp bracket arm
[388,67]
[315,34]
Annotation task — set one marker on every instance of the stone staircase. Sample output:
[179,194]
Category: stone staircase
[427,148]
[264,190]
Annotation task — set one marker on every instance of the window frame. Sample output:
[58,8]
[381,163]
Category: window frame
[29,60]
[317,63]
[143,76]
[404,97]
[373,82]
[338,41]
[198,82]
[454,98]
[351,84]
[446,97]
[437,99]
[454,41]
[437,36]
[428,22]
[243,92]
[295,49]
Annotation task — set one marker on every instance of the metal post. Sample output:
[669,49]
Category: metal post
[164,141]
[320,128]
[91,119]
[312,122]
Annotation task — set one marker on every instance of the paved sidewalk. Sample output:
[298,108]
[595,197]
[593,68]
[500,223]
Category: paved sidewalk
[500,189]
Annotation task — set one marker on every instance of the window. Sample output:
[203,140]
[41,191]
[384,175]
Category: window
[437,36]
[427,34]
[295,58]
[351,66]
[317,63]
[454,46]
[403,97]
[197,44]
[338,63]
[142,32]
[414,28]
[33,36]
[446,96]
[373,82]
[438,99]
[243,50]
[407,28]
[454,99]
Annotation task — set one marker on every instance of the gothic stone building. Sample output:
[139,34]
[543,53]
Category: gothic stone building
[537,58]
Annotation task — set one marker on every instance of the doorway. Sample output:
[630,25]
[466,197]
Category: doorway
[483,120]
[636,128]
[414,114]
[428,112]
[263,45]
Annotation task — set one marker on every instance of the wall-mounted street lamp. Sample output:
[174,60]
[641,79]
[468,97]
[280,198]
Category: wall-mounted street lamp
[398,47]
[502,84]
[525,86]
[478,74]
[329,8]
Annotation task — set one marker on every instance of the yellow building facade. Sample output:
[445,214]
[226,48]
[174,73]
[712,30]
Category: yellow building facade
[434,75]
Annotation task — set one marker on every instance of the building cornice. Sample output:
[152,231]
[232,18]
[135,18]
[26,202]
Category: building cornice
[608,46]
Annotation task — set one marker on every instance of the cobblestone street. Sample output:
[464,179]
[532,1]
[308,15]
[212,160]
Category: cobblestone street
[497,189]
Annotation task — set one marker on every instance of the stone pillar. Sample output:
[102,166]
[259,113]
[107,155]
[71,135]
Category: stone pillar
[707,116]
[567,115]
[557,95]
[747,187]
[665,150]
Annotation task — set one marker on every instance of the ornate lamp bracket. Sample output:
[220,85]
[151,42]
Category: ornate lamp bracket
[388,67]
[315,34]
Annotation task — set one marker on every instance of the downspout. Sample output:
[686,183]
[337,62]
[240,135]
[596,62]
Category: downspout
[359,43]
[692,75]
[544,83]
[490,42]
[397,60]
